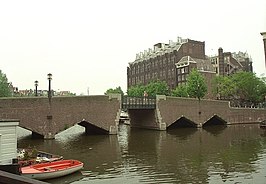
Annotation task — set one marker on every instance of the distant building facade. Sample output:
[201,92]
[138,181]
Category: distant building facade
[174,61]
[205,68]
[227,63]
[160,62]
[30,92]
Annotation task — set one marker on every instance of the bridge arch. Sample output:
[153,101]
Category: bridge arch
[92,129]
[182,122]
[214,120]
[34,134]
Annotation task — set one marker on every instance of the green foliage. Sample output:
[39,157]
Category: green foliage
[241,86]
[180,91]
[5,90]
[223,87]
[136,91]
[157,88]
[117,90]
[196,86]
[153,88]
[249,87]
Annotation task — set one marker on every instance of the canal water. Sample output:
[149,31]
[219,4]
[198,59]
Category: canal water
[233,154]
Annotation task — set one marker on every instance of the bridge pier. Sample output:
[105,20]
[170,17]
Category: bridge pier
[161,124]
[49,135]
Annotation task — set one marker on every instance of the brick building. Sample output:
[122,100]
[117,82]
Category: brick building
[173,62]
[160,62]
[204,66]
[227,63]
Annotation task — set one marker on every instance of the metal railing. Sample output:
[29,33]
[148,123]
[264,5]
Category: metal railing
[138,102]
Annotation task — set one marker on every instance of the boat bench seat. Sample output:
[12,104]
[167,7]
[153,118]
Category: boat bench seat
[54,167]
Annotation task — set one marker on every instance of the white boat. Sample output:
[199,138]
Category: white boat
[124,118]
[51,170]
[29,156]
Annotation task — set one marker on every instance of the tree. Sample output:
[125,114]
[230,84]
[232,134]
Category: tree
[157,88]
[196,86]
[117,90]
[5,90]
[223,87]
[153,88]
[180,91]
[249,88]
[136,91]
[242,87]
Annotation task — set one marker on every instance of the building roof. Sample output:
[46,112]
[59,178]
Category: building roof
[202,64]
[160,49]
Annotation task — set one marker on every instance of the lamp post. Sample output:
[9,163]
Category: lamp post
[50,134]
[263,34]
[49,77]
[36,87]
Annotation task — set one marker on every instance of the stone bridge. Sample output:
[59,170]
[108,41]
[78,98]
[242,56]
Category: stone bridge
[98,114]
[174,112]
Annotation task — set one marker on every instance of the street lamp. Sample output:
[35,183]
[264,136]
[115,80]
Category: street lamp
[49,77]
[36,86]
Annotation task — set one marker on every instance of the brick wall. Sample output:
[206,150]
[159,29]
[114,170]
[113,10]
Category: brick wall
[37,115]
[173,108]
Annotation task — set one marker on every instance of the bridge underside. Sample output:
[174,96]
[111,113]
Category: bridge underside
[143,118]
[34,135]
[215,120]
[182,122]
[92,129]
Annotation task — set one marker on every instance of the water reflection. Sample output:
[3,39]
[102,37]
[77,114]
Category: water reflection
[215,130]
[210,155]
[182,133]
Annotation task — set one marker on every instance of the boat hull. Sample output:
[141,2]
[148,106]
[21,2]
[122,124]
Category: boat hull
[34,173]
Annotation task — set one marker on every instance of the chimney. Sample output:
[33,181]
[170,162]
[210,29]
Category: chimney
[221,61]
[264,40]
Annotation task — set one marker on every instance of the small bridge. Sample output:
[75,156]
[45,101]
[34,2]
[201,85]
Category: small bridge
[46,118]
[167,112]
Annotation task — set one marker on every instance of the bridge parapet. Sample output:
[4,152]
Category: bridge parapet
[138,103]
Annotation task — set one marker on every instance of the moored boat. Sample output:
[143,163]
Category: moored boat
[28,157]
[51,170]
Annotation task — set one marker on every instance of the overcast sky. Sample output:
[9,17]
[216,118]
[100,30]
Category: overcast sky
[88,44]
